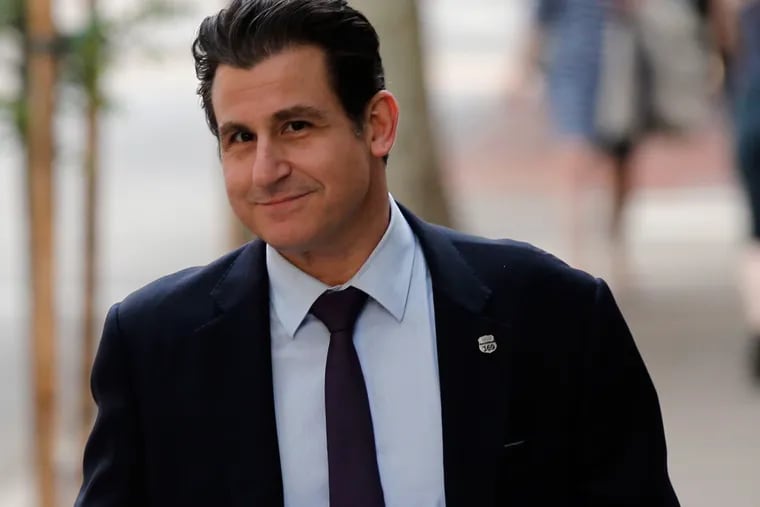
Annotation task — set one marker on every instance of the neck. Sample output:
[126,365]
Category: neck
[338,263]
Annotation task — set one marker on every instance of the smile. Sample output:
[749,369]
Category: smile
[283,200]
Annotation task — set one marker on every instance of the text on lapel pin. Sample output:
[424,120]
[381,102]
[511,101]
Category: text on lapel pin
[487,344]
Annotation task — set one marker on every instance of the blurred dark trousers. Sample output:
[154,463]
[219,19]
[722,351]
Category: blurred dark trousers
[747,135]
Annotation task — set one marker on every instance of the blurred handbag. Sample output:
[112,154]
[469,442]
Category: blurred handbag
[654,70]
[617,106]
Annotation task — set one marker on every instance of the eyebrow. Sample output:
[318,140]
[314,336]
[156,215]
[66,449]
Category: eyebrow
[297,111]
[300,111]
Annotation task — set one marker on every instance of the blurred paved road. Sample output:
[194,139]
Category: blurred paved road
[163,209]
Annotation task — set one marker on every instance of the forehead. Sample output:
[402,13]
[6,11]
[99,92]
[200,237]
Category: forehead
[293,76]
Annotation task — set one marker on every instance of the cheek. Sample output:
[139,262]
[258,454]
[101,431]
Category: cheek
[345,171]
[353,175]
[236,178]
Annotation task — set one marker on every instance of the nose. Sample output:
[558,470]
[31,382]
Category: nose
[269,166]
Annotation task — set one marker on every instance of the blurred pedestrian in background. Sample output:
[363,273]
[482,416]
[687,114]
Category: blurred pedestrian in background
[616,71]
[565,44]
[737,25]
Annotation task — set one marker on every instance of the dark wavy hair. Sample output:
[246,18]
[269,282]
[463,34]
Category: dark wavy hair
[248,31]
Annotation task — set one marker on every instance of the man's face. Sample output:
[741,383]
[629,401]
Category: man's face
[297,173]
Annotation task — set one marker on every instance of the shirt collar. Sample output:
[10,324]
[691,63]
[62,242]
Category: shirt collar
[385,276]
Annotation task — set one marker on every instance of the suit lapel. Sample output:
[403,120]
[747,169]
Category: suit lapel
[473,400]
[248,448]
[474,385]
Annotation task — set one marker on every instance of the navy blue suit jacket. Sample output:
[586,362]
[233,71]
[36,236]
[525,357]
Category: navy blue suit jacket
[562,413]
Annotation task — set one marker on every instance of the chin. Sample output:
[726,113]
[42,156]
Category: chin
[287,240]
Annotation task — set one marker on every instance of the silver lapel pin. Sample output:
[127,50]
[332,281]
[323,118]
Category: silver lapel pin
[487,344]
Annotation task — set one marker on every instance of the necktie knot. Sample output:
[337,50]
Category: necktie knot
[338,310]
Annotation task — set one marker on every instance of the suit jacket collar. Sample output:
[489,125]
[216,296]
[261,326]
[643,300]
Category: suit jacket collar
[450,273]
[244,279]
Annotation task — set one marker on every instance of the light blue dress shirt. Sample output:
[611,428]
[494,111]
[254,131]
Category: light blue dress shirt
[395,341]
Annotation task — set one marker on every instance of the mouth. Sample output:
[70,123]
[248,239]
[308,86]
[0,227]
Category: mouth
[283,200]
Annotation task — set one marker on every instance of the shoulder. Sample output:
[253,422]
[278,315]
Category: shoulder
[520,266]
[181,297]
[491,257]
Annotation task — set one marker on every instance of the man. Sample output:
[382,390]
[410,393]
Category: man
[355,355]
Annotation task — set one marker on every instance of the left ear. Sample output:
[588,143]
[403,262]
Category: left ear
[382,123]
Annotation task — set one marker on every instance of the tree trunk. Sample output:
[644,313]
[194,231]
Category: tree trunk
[91,170]
[413,168]
[40,103]
[90,265]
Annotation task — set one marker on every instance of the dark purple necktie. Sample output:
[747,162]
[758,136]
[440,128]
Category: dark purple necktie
[351,455]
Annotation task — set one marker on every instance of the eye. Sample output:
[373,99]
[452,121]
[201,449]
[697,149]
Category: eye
[296,126]
[241,136]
